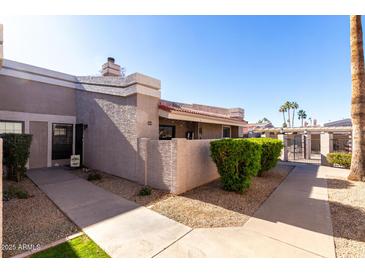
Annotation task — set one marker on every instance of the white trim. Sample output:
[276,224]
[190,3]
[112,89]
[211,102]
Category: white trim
[197,118]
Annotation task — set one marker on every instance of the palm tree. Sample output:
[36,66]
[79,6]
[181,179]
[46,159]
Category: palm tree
[357,170]
[287,106]
[302,115]
[283,110]
[294,106]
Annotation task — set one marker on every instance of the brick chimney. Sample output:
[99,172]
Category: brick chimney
[110,68]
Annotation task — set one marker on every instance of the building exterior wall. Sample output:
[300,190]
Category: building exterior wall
[34,97]
[110,139]
[39,148]
[147,116]
[37,105]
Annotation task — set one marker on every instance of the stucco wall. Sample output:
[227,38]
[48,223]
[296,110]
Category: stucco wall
[147,116]
[194,165]
[176,165]
[110,140]
[35,97]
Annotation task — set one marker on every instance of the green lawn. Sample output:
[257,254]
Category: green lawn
[79,247]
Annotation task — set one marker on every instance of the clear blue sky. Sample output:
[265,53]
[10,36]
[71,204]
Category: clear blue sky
[253,62]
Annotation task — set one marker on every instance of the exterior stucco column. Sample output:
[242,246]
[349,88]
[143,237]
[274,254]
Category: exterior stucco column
[284,151]
[326,146]
[142,161]
[308,146]
[263,135]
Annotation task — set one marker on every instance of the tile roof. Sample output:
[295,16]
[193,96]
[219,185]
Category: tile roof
[181,108]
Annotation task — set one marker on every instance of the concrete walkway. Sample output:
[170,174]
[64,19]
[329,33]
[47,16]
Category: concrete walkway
[120,227]
[294,221]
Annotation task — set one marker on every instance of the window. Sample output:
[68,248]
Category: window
[11,127]
[167,132]
[62,140]
[226,132]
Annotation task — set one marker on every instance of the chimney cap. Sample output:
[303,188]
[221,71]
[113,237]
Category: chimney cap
[111,59]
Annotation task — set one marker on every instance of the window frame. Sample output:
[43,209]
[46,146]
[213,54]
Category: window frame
[230,131]
[173,131]
[14,121]
[54,158]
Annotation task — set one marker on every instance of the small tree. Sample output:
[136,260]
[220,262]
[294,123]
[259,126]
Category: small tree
[16,154]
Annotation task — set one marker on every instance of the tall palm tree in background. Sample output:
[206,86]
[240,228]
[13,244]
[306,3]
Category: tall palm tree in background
[287,106]
[294,106]
[357,170]
[283,110]
[302,115]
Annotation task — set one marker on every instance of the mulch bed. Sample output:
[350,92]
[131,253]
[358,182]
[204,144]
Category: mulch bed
[347,205]
[32,222]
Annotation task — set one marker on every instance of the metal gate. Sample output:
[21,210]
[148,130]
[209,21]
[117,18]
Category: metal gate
[296,148]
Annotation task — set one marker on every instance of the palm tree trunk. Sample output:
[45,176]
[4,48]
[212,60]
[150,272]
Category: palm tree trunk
[357,170]
[284,117]
[293,117]
[289,124]
[302,121]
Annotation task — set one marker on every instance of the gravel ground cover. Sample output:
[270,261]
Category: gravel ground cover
[211,206]
[347,205]
[124,188]
[32,222]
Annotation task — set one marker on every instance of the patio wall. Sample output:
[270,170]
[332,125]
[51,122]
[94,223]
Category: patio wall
[176,165]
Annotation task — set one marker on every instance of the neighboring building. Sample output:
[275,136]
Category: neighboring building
[339,123]
[248,130]
[105,119]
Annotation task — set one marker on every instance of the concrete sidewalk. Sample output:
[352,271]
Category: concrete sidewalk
[294,221]
[120,227]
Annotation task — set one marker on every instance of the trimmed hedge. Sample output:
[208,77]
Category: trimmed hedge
[16,154]
[339,158]
[271,149]
[237,160]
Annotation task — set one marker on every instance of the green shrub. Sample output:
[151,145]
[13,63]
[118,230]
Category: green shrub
[271,150]
[16,154]
[237,160]
[93,176]
[339,158]
[145,191]
[14,192]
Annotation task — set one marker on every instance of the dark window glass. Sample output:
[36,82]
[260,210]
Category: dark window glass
[62,139]
[226,132]
[167,132]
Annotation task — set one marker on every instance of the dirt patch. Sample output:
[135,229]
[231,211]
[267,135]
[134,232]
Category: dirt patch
[211,206]
[347,205]
[31,222]
[124,188]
